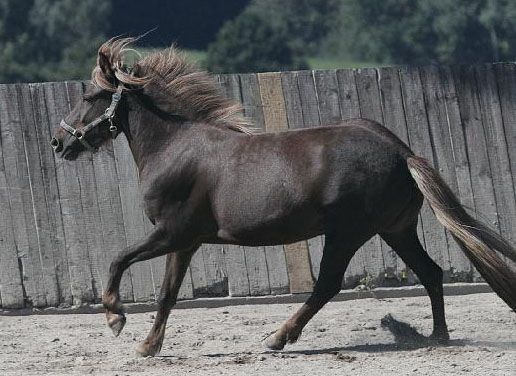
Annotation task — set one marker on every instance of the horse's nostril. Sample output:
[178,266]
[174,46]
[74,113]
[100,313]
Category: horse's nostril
[56,145]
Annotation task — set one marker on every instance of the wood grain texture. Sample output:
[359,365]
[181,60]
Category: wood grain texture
[79,263]
[140,274]
[11,288]
[442,149]
[275,118]
[48,168]
[480,169]
[420,141]
[383,264]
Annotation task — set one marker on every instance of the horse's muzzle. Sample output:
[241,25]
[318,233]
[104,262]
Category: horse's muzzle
[56,145]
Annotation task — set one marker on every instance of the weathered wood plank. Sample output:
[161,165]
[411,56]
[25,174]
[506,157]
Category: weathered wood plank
[497,149]
[506,82]
[11,288]
[461,267]
[275,117]
[348,94]
[420,142]
[42,130]
[79,264]
[214,265]
[300,115]
[134,225]
[238,281]
[394,119]
[443,155]
[88,198]
[482,185]
[39,210]
[245,89]
[17,178]
[380,261]
[350,108]
[110,217]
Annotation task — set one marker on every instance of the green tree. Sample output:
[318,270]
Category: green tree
[272,35]
[44,40]
[422,32]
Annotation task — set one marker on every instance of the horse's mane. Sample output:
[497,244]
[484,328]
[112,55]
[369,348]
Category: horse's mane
[189,92]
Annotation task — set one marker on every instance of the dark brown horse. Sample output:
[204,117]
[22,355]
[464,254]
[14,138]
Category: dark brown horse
[206,178]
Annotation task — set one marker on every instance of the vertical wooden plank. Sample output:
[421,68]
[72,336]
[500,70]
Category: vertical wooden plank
[245,89]
[348,94]
[497,150]
[350,108]
[11,288]
[110,217]
[327,90]
[437,114]
[88,198]
[37,194]
[134,226]
[198,275]
[302,112]
[79,264]
[380,260]
[17,178]
[480,170]
[216,275]
[506,82]
[394,119]
[238,281]
[297,256]
[461,267]
[42,130]
[420,142]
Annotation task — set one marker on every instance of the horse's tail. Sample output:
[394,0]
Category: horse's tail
[480,243]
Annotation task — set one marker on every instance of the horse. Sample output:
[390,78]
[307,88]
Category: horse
[207,177]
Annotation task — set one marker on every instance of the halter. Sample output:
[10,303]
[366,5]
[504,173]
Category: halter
[109,115]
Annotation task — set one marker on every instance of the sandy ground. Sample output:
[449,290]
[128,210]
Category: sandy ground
[344,338]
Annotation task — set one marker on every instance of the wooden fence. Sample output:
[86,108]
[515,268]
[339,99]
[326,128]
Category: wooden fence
[62,222]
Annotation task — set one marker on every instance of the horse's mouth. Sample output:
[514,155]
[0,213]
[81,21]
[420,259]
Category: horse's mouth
[69,154]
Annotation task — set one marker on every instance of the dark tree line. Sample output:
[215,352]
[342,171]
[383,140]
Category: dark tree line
[57,39]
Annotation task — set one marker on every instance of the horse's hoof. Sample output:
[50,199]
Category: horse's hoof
[116,321]
[274,343]
[146,349]
[440,338]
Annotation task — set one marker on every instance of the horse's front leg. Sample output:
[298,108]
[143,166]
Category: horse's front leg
[157,243]
[176,267]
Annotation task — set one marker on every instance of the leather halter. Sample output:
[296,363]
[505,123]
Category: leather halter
[109,114]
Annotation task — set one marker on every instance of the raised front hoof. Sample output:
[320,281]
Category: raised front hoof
[116,321]
[145,349]
[275,342]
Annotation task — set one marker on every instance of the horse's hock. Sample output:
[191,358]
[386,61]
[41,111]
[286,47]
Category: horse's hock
[62,223]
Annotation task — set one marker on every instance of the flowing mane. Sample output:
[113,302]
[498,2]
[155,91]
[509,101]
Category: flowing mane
[189,92]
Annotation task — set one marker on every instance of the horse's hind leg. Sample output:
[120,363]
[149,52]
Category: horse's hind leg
[407,246]
[175,270]
[336,256]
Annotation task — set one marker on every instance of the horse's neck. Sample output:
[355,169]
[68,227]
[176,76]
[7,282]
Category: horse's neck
[150,134]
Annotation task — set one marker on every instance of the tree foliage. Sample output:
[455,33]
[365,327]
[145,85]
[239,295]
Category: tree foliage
[422,32]
[272,35]
[43,40]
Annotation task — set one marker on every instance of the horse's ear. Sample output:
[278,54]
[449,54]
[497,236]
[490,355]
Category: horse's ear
[105,66]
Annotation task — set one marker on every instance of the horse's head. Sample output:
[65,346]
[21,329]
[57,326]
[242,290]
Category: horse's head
[97,117]
[92,121]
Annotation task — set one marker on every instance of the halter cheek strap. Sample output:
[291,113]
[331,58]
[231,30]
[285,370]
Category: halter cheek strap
[109,115]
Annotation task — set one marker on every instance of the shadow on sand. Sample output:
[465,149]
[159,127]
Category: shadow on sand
[406,338]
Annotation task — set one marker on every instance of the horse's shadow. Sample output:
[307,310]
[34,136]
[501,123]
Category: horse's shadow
[406,338]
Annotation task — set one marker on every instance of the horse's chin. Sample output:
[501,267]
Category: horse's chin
[69,154]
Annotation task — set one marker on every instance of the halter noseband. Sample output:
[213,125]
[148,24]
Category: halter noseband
[109,114]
